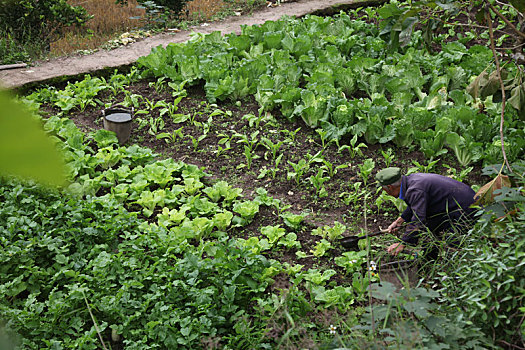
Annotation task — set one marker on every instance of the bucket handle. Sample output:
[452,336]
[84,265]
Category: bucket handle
[119,108]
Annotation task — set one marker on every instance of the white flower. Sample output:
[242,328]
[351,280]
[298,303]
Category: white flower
[332,329]
[290,193]
[205,24]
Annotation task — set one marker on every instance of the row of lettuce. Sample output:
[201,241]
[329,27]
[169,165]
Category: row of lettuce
[169,281]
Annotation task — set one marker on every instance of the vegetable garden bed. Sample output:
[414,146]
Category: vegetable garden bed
[250,156]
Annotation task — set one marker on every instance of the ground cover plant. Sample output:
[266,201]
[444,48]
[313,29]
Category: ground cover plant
[217,225]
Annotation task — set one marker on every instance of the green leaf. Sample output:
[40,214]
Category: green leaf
[105,138]
[274,233]
[388,134]
[519,5]
[517,98]
[25,149]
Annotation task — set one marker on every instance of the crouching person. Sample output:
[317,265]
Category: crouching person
[436,204]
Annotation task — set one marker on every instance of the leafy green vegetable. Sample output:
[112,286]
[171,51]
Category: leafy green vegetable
[274,233]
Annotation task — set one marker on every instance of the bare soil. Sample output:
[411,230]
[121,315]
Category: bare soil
[230,166]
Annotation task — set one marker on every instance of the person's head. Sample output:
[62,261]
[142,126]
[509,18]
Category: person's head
[390,180]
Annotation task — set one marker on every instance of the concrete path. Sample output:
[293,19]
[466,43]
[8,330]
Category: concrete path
[72,66]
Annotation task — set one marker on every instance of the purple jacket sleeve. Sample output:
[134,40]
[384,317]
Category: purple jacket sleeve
[416,215]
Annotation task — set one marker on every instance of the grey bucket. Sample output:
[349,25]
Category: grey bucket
[118,119]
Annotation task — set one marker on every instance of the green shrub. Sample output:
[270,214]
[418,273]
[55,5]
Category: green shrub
[487,277]
[28,26]
[11,52]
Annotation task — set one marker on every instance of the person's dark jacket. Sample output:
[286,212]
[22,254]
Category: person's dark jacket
[435,202]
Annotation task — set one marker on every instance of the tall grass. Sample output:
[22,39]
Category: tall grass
[110,19]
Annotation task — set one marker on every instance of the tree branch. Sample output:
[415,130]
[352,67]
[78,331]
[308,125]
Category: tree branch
[509,23]
[502,86]
[470,26]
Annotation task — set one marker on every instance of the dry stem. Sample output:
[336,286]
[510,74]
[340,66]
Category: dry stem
[502,86]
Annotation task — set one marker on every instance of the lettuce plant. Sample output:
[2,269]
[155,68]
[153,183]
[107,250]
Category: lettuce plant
[274,233]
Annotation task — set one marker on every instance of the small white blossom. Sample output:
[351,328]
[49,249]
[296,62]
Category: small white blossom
[332,329]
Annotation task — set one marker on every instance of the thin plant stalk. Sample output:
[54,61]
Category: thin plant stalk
[94,322]
[369,269]
[502,86]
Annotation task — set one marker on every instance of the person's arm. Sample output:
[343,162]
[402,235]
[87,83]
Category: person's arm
[418,204]
[407,214]
[395,248]
[394,226]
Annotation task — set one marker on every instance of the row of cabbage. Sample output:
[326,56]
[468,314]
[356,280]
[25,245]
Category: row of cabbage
[341,75]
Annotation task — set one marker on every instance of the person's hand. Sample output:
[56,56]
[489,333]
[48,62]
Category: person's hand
[394,227]
[395,248]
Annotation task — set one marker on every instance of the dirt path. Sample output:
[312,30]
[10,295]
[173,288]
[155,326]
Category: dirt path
[125,55]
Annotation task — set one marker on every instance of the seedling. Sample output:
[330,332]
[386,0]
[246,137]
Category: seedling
[196,140]
[452,172]
[421,168]
[330,233]
[171,109]
[171,137]
[252,141]
[224,144]
[290,241]
[131,100]
[323,134]
[275,169]
[316,277]
[152,105]
[274,233]
[292,220]
[272,147]
[290,135]
[318,181]
[366,169]
[353,149]
[384,197]
[321,248]
[248,154]
[354,195]
[155,125]
[158,85]
[351,261]
[253,120]
[330,169]
[299,169]
[316,158]
[219,112]
[388,156]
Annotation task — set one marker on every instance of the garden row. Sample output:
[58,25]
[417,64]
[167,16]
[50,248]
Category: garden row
[152,252]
